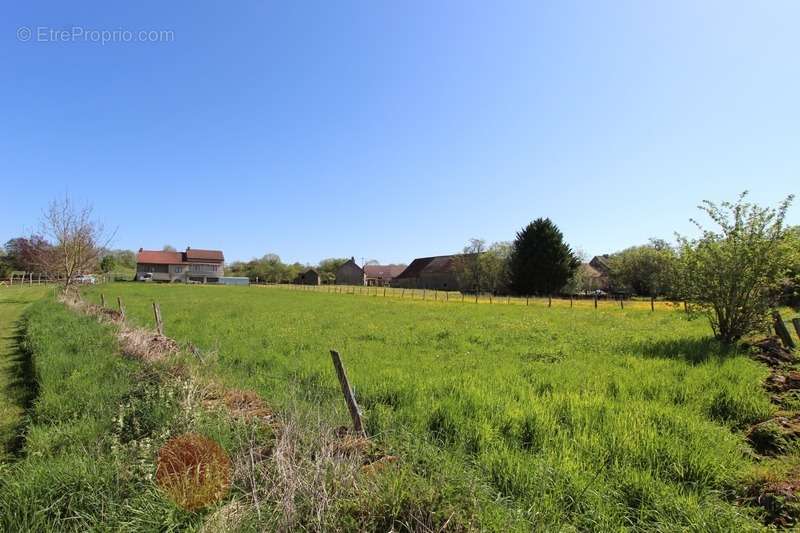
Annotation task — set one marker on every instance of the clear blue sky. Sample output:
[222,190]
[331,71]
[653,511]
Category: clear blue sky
[392,130]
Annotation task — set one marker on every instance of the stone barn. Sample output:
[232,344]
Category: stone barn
[309,277]
[350,274]
[439,272]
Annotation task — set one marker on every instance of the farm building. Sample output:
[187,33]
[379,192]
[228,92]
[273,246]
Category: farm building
[439,272]
[593,279]
[601,263]
[350,274]
[201,266]
[309,277]
[382,275]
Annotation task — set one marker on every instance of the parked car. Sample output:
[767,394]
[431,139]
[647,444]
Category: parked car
[145,276]
[86,279]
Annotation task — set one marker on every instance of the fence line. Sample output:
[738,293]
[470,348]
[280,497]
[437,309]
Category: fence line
[439,296]
[33,278]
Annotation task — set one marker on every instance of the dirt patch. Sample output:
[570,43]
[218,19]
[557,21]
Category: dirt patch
[146,345]
[775,436]
[778,498]
[246,404]
[783,382]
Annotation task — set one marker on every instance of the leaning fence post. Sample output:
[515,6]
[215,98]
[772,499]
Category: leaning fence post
[652,303]
[352,406]
[159,323]
[781,330]
[121,308]
[622,302]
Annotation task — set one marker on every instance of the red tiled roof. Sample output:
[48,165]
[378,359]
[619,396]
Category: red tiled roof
[383,271]
[152,257]
[204,255]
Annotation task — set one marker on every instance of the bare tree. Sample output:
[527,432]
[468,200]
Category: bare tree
[76,241]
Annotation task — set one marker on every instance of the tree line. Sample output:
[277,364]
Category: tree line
[742,265]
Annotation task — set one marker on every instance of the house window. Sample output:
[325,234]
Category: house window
[178,269]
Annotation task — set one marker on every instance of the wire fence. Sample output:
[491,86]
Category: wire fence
[441,296]
[32,279]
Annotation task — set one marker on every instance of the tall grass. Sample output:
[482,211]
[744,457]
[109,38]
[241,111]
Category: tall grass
[91,431]
[505,417]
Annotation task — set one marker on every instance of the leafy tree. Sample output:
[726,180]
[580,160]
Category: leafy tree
[732,274]
[494,263]
[108,263]
[468,267]
[483,269]
[168,248]
[790,285]
[5,264]
[644,270]
[541,262]
[25,253]
[327,268]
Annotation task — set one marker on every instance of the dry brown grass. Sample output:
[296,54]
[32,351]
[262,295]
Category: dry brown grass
[193,470]
[134,342]
[294,483]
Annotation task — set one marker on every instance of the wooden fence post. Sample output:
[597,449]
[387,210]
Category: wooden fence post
[595,300]
[570,301]
[782,331]
[352,406]
[685,307]
[121,307]
[796,324]
[159,323]
[549,301]
[652,303]
[621,302]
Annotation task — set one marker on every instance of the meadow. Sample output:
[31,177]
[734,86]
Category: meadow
[504,416]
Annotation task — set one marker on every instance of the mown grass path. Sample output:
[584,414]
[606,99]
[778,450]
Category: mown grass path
[15,378]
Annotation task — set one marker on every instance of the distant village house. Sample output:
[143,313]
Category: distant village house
[309,277]
[382,275]
[201,266]
[350,274]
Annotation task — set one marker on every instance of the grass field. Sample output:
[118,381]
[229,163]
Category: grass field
[505,417]
[15,390]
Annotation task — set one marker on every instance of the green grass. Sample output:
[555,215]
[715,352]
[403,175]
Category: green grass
[92,430]
[505,417]
[15,379]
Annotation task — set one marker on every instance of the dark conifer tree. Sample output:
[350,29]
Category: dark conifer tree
[541,262]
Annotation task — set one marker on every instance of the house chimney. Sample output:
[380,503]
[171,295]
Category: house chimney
[141,249]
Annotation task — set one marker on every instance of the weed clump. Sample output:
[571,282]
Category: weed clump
[194,471]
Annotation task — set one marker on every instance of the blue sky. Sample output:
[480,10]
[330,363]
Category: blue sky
[392,130]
